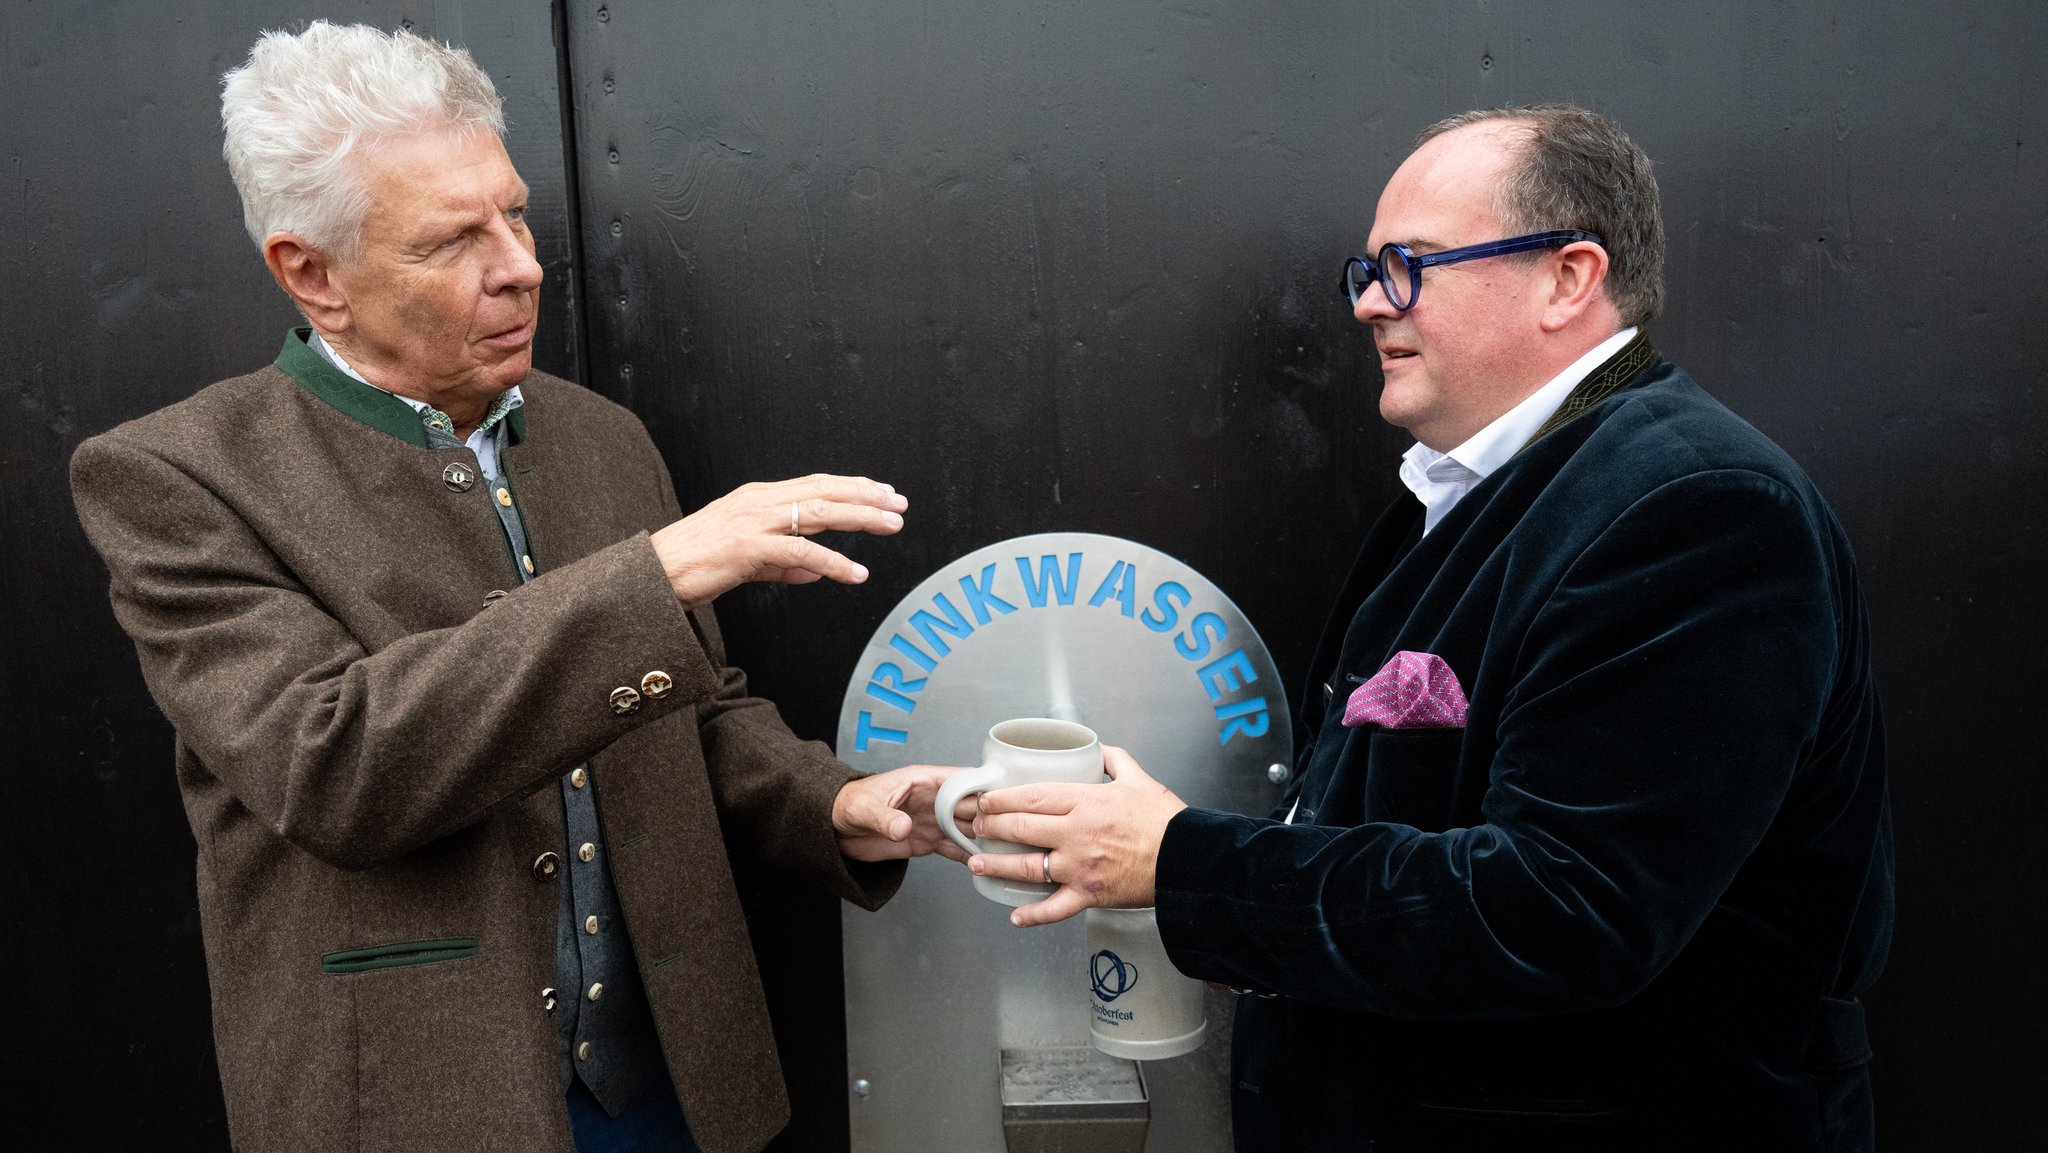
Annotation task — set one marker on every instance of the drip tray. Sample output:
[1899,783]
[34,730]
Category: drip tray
[1072,1100]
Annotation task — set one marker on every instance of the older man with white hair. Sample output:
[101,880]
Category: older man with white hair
[456,730]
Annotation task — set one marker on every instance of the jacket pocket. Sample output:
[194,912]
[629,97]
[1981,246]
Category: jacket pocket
[398,954]
[1411,777]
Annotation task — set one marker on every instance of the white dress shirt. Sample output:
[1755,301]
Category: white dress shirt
[1441,479]
[482,440]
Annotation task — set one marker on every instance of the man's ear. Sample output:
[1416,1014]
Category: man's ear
[305,274]
[1576,283]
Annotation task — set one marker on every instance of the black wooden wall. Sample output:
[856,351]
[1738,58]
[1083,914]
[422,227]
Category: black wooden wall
[1059,266]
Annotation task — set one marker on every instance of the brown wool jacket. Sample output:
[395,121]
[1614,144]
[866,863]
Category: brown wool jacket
[363,740]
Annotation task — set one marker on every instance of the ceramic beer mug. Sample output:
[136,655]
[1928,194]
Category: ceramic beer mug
[1139,1006]
[1031,750]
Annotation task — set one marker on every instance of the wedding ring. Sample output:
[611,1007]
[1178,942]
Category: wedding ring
[794,529]
[1045,866]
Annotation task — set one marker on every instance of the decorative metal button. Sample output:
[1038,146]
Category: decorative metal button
[547,1000]
[590,924]
[546,866]
[655,685]
[459,477]
[583,1051]
[596,990]
[625,700]
[528,562]
[578,778]
[505,497]
[586,852]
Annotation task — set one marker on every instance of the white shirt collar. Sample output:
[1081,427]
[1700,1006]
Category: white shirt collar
[1441,479]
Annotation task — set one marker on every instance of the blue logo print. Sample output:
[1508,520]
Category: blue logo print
[1112,975]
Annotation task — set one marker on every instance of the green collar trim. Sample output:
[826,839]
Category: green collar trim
[352,398]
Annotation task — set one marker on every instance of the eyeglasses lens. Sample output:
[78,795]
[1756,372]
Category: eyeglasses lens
[1396,278]
[1357,278]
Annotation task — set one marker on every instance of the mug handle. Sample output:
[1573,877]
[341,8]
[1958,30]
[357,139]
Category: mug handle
[975,780]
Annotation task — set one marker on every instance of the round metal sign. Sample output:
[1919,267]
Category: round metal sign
[1105,631]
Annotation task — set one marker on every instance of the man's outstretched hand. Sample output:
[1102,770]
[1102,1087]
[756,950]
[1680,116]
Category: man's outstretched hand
[762,531]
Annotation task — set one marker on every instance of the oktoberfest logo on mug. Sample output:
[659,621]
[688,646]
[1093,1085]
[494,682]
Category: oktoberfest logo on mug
[1112,975]
[1140,1006]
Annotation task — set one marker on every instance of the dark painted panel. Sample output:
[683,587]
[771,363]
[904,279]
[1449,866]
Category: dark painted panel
[1064,266]
[1069,266]
[129,283]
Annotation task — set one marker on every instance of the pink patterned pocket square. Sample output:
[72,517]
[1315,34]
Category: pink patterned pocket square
[1413,691]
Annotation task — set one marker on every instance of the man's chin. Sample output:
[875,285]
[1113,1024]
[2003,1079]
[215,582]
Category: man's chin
[511,367]
[1400,410]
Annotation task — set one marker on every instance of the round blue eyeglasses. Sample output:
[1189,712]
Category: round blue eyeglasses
[1399,269]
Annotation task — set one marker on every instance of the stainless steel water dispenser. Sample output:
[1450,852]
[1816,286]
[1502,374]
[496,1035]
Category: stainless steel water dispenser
[964,1033]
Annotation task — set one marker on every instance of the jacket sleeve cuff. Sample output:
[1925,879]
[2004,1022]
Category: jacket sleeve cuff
[867,884]
[1191,890]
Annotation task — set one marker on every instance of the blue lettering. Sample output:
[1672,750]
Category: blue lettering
[866,728]
[1164,596]
[1217,678]
[980,599]
[929,627]
[1049,577]
[1237,714]
[917,655]
[888,674]
[1194,646]
[891,697]
[1125,590]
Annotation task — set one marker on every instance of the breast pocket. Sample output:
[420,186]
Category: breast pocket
[1411,777]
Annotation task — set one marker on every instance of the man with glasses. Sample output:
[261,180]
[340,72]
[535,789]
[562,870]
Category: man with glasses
[1588,842]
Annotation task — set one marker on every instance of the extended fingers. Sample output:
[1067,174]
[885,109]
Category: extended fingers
[757,533]
[1023,828]
[825,486]
[1064,903]
[796,560]
[820,515]
[1054,798]
[841,503]
[1009,866]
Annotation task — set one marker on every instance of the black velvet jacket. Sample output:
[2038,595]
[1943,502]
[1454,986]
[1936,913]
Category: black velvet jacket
[1630,904]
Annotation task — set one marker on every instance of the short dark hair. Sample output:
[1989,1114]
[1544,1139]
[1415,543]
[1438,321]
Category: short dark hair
[1578,169]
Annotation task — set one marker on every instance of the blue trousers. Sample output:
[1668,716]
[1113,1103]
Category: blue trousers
[652,1124]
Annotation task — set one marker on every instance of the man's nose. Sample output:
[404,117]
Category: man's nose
[513,267]
[1372,304]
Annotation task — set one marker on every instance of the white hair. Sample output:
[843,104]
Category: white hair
[306,107]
